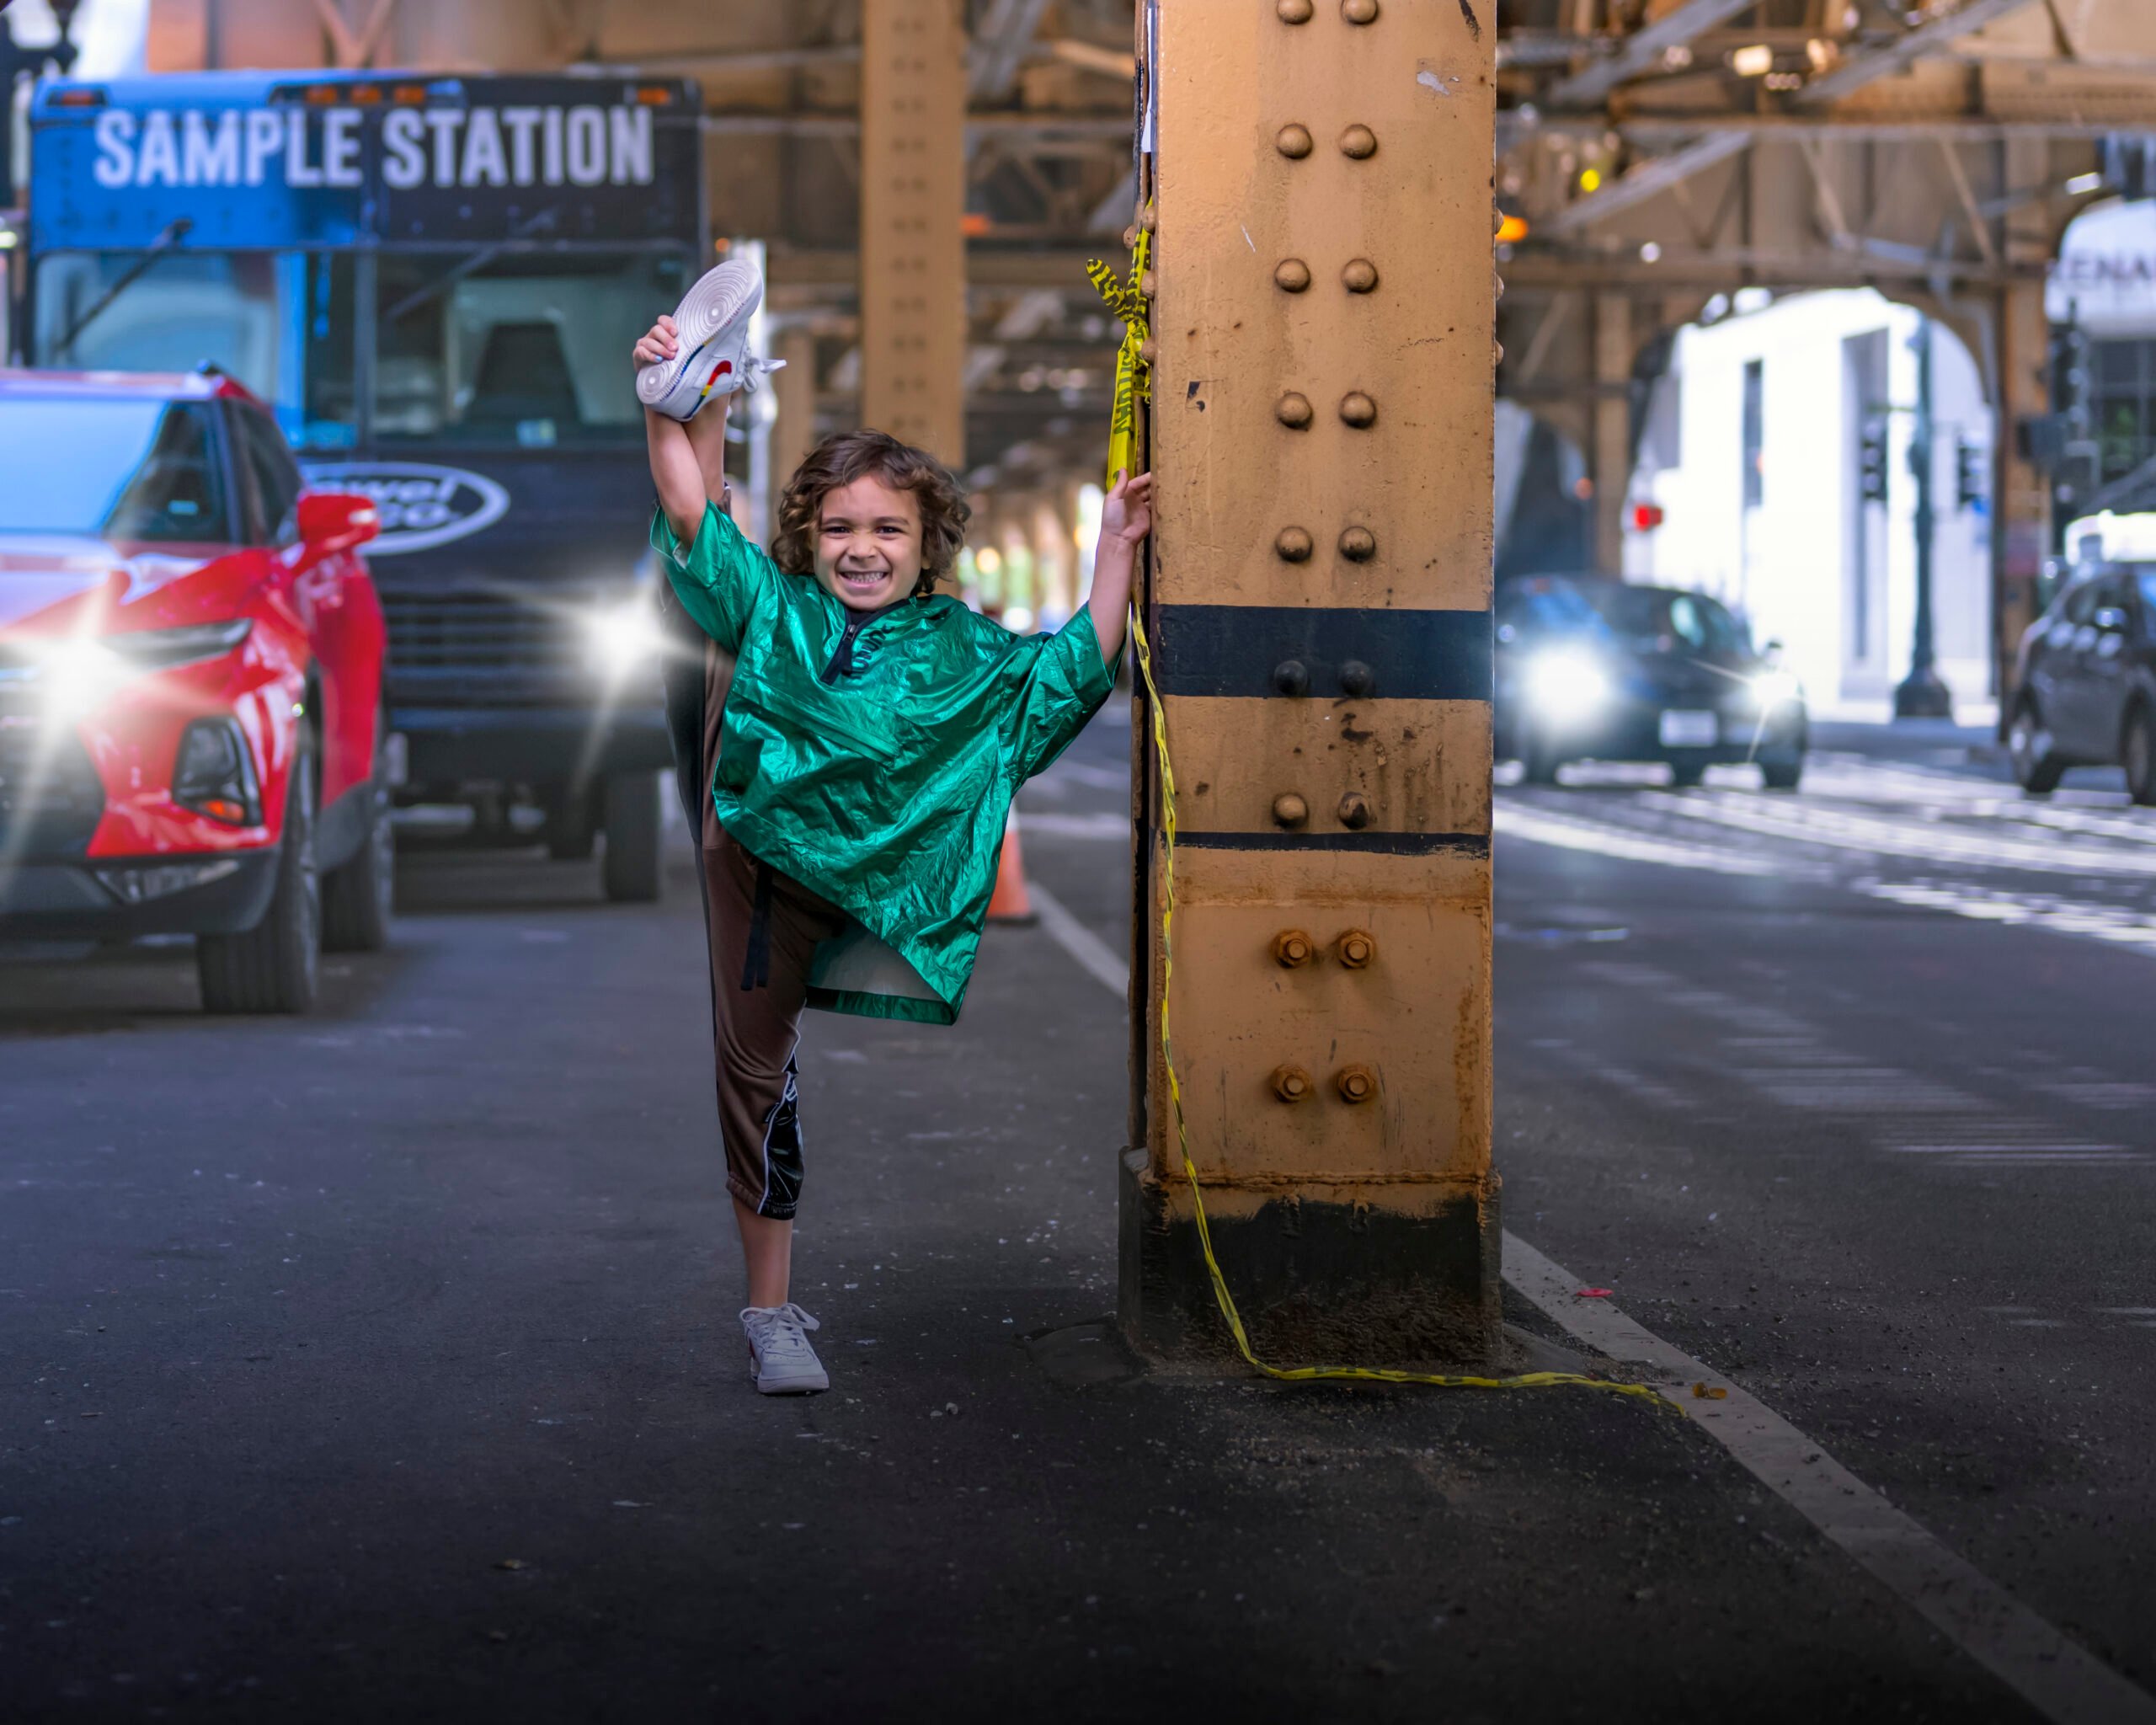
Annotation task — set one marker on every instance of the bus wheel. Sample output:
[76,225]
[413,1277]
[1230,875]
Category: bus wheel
[630,868]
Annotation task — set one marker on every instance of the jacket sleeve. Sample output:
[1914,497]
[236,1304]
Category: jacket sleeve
[721,579]
[1057,683]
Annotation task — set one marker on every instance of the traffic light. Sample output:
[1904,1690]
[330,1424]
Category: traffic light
[1969,487]
[1872,461]
[2070,374]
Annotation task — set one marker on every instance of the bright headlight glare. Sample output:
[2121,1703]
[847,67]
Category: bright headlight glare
[624,637]
[1566,685]
[1776,688]
[77,677]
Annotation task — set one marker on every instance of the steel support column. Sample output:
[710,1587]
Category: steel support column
[1609,460]
[1319,609]
[913,259]
[793,426]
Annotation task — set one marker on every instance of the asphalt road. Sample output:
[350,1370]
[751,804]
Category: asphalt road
[1853,1094]
[383,1365]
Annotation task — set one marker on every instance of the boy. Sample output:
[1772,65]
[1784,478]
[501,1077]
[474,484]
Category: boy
[874,733]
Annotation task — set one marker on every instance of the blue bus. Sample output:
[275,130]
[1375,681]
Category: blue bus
[436,283]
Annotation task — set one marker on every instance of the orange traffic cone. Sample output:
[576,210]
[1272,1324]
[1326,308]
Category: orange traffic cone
[1009,902]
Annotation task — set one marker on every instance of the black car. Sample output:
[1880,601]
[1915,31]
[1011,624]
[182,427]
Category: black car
[1605,671]
[2084,684]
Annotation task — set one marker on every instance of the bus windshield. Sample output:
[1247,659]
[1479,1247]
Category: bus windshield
[488,347]
[280,323]
[526,349]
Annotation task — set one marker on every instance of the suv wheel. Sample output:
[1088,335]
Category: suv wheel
[274,966]
[357,895]
[2140,755]
[2036,766]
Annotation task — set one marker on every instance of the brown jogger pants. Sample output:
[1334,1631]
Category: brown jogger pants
[764,928]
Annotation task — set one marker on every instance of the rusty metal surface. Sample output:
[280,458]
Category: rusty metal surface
[1324,322]
[913,283]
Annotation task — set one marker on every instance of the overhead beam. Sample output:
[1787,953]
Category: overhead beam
[846,123]
[1646,179]
[719,61]
[1006,36]
[1644,49]
[1914,44]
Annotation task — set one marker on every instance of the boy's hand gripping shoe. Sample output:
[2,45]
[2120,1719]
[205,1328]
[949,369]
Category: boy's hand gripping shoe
[710,355]
[780,1361]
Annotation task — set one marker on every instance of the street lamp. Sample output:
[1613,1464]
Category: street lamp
[14,62]
[1922,694]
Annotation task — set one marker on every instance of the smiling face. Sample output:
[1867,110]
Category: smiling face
[869,544]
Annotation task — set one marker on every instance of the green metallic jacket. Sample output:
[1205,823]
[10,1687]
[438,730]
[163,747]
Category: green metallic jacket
[884,790]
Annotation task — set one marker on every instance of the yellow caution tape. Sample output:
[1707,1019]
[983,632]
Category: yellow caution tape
[1133,377]
[1133,384]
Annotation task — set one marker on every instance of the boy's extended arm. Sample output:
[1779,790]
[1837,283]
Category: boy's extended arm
[1126,518]
[675,470]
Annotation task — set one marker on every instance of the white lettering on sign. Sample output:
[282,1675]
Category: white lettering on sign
[305,147]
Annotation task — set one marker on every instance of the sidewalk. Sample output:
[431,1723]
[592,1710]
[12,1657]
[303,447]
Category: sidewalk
[436,1410]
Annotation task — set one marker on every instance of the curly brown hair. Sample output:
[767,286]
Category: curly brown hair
[846,456]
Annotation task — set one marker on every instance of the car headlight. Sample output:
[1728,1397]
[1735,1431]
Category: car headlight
[76,677]
[1565,684]
[623,638]
[1775,689]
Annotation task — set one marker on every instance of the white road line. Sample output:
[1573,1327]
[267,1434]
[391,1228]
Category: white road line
[1094,956]
[1933,841]
[1539,826]
[2061,1680]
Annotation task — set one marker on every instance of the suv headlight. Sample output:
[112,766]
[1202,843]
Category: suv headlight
[1566,684]
[76,675]
[1773,690]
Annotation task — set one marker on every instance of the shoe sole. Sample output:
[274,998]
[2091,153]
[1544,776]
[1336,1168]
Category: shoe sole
[719,299]
[791,1386]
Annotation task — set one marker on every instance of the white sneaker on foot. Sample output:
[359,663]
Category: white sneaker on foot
[711,356]
[780,1361]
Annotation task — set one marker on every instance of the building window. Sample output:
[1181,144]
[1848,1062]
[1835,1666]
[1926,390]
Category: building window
[2122,403]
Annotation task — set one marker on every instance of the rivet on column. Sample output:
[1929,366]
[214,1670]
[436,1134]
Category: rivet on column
[1289,810]
[1359,11]
[1291,274]
[1292,947]
[1356,678]
[1358,275]
[1293,11]
[1353,812]
[1291,676]
[1357,949]
[1358,141]
[1290,1083]
[1293,410]
[1293,141]
[1357,409]
[1356,1083]
[1357,544]
[1293,545]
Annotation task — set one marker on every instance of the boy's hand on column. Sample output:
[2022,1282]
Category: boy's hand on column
[1126,511]
[659,342]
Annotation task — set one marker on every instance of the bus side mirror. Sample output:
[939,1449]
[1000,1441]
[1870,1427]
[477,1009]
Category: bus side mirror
[337,520]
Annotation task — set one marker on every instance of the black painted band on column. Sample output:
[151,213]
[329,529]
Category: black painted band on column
[1383,844]
[1387,654]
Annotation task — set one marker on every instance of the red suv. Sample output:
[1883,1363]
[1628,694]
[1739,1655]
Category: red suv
[191,735]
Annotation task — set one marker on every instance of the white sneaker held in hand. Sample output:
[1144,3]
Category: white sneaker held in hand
[711,357]
[780,1361]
